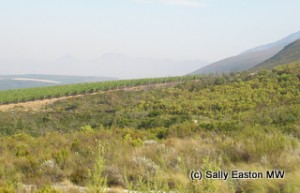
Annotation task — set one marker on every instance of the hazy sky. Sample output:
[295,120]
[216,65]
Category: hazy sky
[175,29]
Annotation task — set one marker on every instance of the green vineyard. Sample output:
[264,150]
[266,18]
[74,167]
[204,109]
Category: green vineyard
[40,93]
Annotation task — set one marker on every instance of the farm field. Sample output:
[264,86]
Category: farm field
[41,93]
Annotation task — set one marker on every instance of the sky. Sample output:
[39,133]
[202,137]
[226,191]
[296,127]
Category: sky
[178,30]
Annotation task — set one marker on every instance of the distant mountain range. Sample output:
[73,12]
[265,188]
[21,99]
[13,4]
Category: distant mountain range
[249,58]
[108,65]
[37,80]
[114,65]
[122,66]
[289,54]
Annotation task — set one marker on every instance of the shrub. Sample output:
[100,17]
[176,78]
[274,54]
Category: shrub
[48,189]
[98,183]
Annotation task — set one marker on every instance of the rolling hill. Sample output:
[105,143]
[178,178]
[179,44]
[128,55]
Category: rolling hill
[237,122]
[290,53]
[8,82]
[249,58]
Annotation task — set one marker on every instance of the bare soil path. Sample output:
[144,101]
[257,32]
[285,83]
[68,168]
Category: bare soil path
[39,104]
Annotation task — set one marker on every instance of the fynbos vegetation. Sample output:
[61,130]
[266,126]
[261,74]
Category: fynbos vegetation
[150,140]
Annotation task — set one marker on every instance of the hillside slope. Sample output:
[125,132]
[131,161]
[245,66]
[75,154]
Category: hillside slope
[249,58]
[290,53]
[149,139]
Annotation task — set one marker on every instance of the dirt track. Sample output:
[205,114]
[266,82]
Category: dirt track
[39,104]
[33,105]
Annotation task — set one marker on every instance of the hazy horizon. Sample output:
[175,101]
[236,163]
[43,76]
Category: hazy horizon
[37,36]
